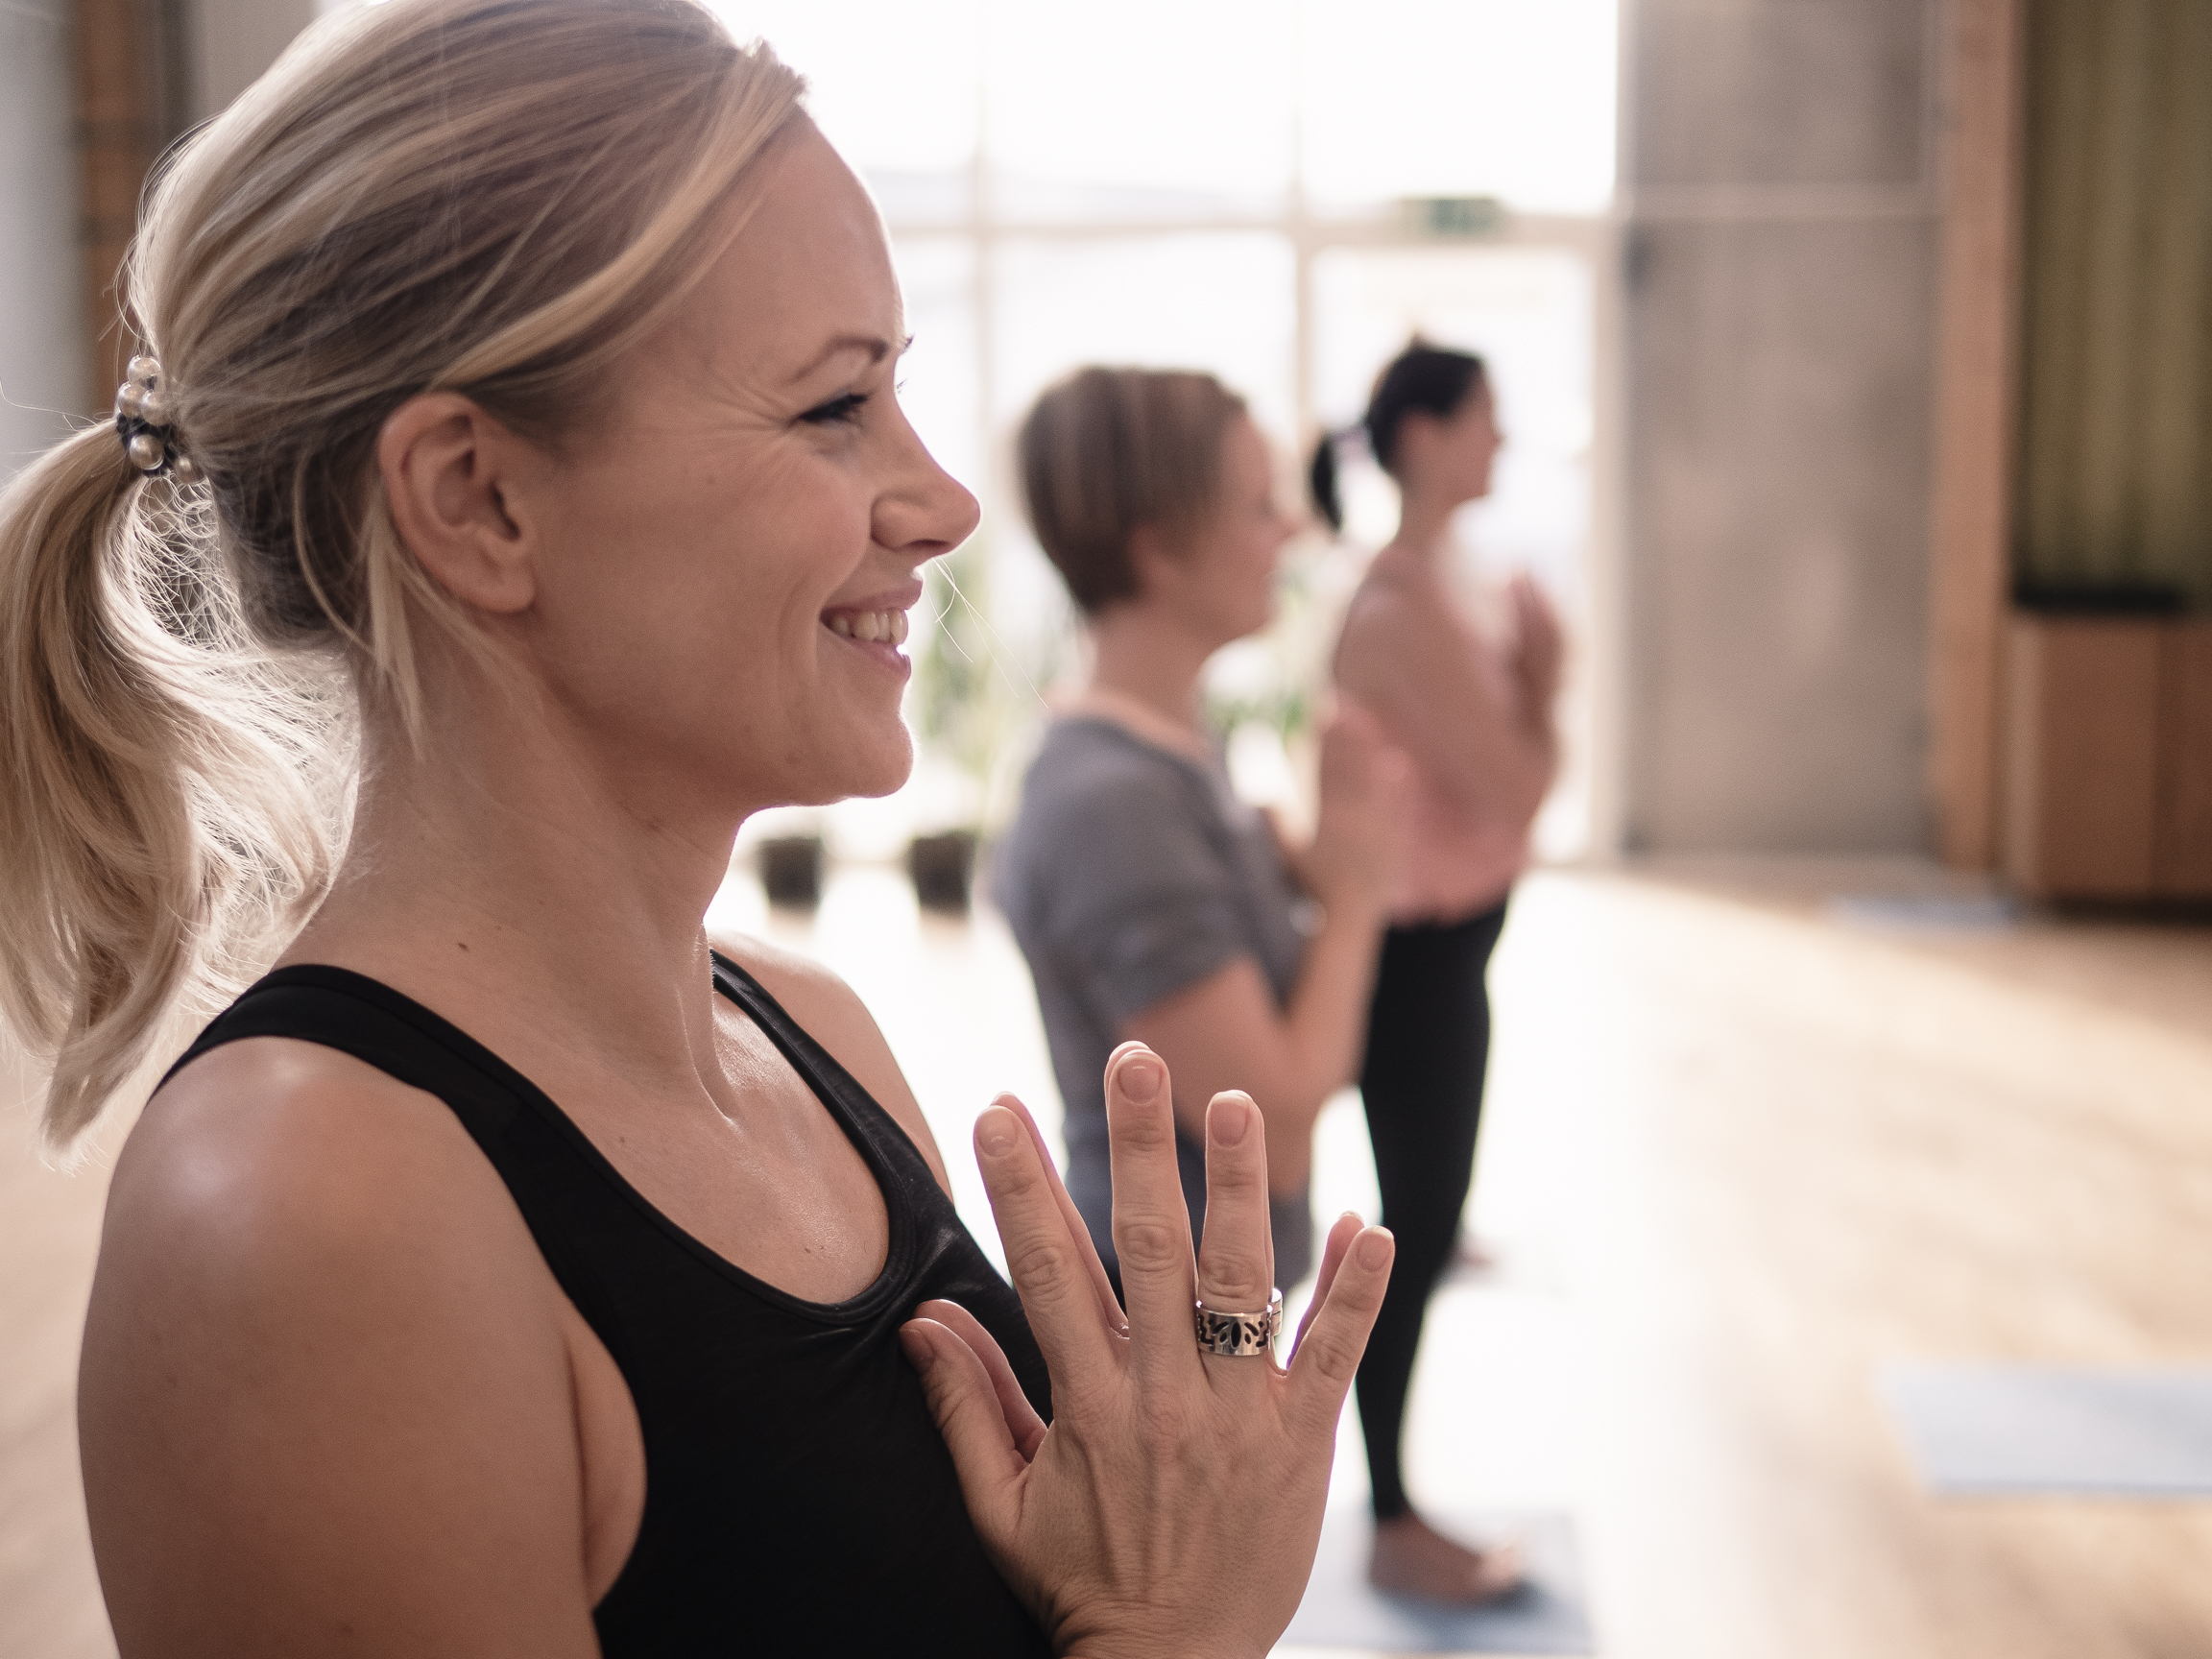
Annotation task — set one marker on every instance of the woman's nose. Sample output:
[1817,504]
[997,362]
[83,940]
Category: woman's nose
[929,512]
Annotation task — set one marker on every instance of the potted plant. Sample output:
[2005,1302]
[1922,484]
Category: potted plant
[791,870]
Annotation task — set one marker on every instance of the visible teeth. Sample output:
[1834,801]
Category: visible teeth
[872,625]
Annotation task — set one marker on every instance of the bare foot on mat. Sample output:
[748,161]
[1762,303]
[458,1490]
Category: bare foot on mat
[1412,1559]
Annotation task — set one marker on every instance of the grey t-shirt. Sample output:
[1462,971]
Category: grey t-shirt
[1131,873]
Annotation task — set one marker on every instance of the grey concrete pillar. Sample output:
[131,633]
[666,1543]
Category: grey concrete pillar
[41,303]
[1780,314]
[230,42]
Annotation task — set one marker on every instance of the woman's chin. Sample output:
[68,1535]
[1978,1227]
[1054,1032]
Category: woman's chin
[865,769]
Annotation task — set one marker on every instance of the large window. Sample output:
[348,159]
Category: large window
[1244,186]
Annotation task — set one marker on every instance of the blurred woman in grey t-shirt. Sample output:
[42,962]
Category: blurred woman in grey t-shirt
[1150,902]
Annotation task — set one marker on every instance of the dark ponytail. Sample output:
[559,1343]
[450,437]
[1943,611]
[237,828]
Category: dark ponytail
[1421,379]
[1321,480]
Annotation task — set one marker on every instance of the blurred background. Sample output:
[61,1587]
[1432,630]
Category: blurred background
[1855,360]
[1279,193]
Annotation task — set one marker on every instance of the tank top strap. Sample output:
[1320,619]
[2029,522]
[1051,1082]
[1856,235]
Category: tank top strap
[884,1141]
[568,1191]
[338,1008]
[565,1187]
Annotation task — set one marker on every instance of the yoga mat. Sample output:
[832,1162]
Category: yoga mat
[2056,1431]
[1926,913]
[1547,1616]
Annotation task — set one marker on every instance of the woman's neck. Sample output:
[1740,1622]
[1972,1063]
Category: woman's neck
[505,851]
[1147,659]
[1424,524]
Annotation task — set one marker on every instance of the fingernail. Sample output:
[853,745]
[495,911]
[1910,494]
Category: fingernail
[1140,1078]
[1229,1119]
[919,1353]
[996,1131]
[1375,1248]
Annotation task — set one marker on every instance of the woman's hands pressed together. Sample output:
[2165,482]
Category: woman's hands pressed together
[1539,649]
[1349,863]
[1174,1506]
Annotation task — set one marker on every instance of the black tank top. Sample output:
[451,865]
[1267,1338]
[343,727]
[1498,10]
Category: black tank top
[798,1496]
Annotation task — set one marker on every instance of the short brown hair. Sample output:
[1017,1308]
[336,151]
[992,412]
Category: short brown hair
[1107,450]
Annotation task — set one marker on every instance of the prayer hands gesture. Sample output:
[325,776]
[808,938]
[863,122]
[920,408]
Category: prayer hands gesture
[1174,1506]
[1539,645]
[1353,838]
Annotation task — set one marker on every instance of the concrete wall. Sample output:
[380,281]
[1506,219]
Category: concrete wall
[41,316]
[1780,316]
[229,42]
[43,347]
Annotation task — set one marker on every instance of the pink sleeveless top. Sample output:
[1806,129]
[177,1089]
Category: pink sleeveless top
[1455,861]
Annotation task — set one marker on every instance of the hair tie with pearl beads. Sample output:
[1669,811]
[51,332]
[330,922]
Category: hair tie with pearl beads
[143,423]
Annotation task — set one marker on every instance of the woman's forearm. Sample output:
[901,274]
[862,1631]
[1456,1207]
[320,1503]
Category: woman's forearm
[1228,1032]
[1325,1031]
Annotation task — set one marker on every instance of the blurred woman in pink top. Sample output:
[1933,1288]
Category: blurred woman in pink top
[1472,713]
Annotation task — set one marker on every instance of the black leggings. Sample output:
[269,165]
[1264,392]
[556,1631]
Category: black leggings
[1428,1045]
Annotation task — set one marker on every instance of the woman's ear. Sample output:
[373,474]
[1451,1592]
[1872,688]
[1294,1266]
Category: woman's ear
[1415,444]
[450,479]
[1151,560]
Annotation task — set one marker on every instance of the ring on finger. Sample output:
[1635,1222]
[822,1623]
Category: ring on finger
[1239,1336]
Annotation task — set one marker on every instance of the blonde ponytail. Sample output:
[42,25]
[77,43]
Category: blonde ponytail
[495,197]
[157,811]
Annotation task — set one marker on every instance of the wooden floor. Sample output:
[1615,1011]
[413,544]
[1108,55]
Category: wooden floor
[1740,1152]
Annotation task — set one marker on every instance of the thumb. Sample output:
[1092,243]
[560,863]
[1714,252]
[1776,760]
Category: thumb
[958,1389]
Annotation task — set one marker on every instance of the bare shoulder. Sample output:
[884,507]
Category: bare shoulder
[316,1300]
[833,1015]
[280,1182]
[799,982]
[1383,614]
[270,1145]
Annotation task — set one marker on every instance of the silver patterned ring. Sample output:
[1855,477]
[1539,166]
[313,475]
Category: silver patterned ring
[1239,1336]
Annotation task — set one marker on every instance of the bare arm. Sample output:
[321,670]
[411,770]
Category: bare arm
[1415,666]
[327,1402]
[1226,1032]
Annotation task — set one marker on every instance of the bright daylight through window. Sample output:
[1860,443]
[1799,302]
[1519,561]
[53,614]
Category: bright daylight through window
[1281,193]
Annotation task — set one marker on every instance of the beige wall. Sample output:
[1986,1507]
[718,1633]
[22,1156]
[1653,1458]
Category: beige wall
[1779,179]
[229,42]
[42,326]
[44,343]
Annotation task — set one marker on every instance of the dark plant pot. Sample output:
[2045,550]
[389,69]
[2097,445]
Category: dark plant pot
[943,868]
[791,871]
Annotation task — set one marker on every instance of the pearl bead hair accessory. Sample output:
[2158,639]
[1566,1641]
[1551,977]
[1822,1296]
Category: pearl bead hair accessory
[146,426]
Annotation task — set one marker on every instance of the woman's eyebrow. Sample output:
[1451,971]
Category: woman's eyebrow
[874,345]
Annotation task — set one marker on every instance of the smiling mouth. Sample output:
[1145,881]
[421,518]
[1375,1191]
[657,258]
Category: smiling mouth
[875,627]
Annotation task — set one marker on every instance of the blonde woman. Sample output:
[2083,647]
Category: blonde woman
[1473,715]
[513,498]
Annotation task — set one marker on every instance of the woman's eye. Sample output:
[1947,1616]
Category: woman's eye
[846,408]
